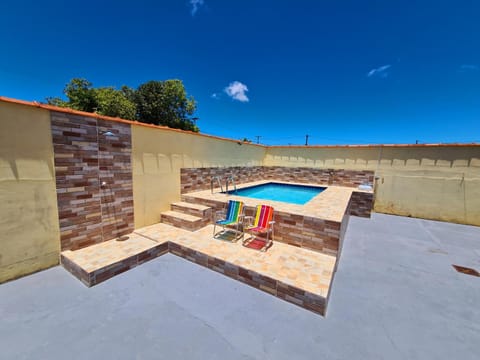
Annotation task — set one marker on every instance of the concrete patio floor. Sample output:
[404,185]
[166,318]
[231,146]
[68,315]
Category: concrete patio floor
[395,296]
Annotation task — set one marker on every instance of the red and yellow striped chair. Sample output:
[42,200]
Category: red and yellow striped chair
[261,223]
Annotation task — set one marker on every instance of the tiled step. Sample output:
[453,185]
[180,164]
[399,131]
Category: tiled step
[182,220]
[99,262]
[202,211]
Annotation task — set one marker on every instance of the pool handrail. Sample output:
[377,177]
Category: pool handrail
[212,180]
[232,180]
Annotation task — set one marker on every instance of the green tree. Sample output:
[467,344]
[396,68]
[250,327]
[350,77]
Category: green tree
[104,101]
[165,103]
[154,102]
[81,95]
[114,103]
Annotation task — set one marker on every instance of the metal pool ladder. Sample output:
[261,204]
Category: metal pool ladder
[217,178]
[230,179]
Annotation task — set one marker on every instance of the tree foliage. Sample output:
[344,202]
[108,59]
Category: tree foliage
[165,103]
[81,95]
[155,102]
[115,103]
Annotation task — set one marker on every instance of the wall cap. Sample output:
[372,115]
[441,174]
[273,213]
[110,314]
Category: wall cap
[137,123]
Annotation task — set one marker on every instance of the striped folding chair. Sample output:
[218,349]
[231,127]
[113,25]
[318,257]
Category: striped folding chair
[232,217]
[261,224]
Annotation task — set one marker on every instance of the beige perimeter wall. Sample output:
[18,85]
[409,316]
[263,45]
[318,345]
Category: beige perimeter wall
[159,154]
[441,183]
[435,182]
[29,232]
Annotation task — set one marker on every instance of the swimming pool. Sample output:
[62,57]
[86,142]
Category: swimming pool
[293,194]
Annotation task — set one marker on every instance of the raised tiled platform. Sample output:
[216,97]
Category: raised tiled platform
[100,262]
[317,225]
[293,274]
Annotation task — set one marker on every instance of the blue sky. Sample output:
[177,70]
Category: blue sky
[344,72]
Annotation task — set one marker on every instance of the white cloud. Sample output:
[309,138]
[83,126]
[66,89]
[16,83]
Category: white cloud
[195,6]
[468,67]
[215,96]
[381,71]
[236,90]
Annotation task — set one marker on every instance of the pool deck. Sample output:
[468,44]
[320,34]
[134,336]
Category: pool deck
[296,275]
[329,205]
[301,274]
[395,296]
[318,225]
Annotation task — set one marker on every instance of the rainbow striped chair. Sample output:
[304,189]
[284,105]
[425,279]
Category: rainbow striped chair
[262,223]
[233,216]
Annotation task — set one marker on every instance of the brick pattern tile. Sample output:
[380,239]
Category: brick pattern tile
[101,274]
[115,171]
[297,296]
[196,179]
[110,271]
[75,269]
[362,204]
[88,212]
[213,204]
[308,232]
[190,225]
[204,214]
[299,276]
[298,230]
[187,209]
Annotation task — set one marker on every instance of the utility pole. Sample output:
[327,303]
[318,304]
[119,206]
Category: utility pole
[258,138]
[306,139]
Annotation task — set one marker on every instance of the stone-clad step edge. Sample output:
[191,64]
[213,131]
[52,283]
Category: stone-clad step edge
[182,220]
[313,302]
[294,295]
[205,212]
[110,270]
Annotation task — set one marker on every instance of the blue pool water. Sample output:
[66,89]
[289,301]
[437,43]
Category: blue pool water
[293,194]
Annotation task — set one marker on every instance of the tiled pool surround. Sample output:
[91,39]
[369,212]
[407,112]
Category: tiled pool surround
[296,275]
[196,179]
[293,194]
[318,225]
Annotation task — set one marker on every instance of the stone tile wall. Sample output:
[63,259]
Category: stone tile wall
[115,169]
[196,179]
[361,204]
[300,175]
[308,232]
[85,158]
